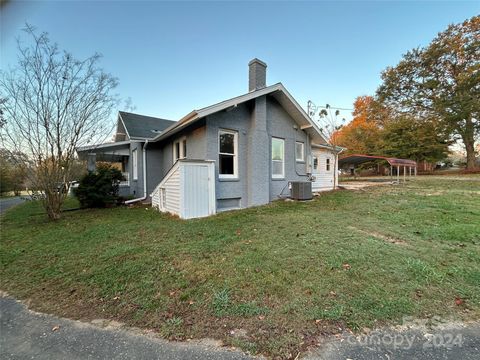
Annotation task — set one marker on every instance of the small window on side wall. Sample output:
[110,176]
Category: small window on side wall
[278,158]
[328,164]
[134,164]
[299,151]
[180,149]
[227,154]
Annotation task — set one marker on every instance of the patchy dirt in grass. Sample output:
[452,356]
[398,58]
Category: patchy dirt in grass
[271,280]
[360,185]
[379,236]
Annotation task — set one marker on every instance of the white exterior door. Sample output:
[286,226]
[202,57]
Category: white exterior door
[198,190]
[323,170]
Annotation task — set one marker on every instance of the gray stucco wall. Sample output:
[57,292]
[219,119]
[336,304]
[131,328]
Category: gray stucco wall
[281,125]
[238,120]
[256,123]
[154,166]
[160,155]
[136,186]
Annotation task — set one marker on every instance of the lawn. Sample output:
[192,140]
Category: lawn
[271,279]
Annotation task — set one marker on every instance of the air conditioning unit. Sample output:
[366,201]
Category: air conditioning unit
[301,190]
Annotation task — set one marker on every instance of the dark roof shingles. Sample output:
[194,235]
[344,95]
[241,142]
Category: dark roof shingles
[144,127]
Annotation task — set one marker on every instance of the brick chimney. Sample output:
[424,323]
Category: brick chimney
[257,75]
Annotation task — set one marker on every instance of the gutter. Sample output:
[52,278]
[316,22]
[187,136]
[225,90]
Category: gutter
[144,162]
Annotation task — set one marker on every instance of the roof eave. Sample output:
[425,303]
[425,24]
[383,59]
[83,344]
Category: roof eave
[176,126]
[102,146]
[206,111]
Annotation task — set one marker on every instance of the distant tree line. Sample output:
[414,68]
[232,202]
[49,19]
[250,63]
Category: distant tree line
[13,174]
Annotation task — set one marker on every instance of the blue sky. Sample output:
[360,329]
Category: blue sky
[173,57]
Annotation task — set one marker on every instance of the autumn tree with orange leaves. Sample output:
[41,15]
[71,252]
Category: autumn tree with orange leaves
[361,135]
[376,130]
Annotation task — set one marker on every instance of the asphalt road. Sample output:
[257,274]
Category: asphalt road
[25,334]
[445,342]
[28,335]
[8,202]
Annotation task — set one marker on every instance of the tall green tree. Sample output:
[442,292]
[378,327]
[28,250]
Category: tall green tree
[408,138]
[441,80]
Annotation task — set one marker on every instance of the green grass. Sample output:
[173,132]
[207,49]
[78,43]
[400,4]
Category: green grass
[284,273]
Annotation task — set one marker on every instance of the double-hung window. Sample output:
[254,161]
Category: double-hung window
[134,164]
[227,154]
[180,149]
[328,164]
[299,151]
[278,158]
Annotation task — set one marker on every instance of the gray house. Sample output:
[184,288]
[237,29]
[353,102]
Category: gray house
[238,153]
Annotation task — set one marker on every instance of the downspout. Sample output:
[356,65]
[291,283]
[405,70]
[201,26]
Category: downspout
[307,144]
[144,162]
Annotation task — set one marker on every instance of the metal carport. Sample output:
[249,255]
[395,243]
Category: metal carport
[357,159]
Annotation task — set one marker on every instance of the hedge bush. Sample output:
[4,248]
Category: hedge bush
[100,188]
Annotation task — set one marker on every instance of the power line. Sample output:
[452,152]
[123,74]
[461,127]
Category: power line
[333,107]
[312,108]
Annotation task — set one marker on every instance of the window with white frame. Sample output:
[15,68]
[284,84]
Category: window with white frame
[134,164]
[278,158]
[328,164]
[227,154]
[180,149]
[299,151]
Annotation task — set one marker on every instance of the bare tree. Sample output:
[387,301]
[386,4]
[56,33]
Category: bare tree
[330,122]
[54,104]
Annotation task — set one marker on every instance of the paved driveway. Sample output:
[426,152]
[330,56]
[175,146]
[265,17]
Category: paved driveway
[28,335]
[25,334]
[449,341]
[6,203]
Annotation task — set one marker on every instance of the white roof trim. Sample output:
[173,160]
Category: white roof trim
[198,114]
[329,147]
[302,112]
[121,119]
[102,146]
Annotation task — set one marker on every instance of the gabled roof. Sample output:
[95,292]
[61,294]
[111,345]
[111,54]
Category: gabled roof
[278,91]
[143,127]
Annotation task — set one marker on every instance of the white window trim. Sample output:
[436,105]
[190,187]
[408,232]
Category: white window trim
[181,154]
[134,164]
[235,154]
[302,158]
[282,175]
[328,164]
